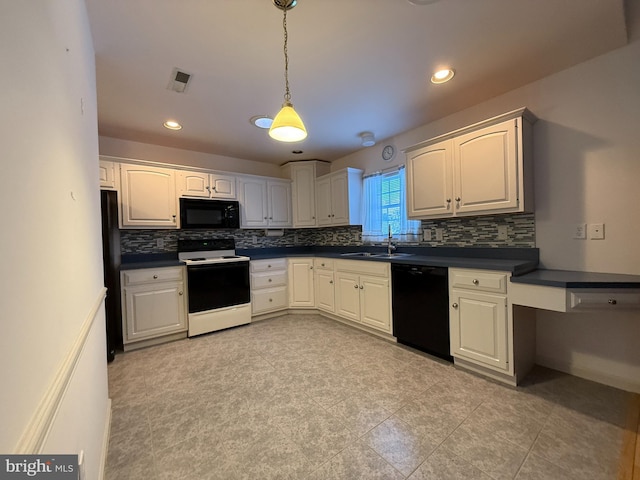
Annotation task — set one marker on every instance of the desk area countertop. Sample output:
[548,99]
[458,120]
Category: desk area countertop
[573,279]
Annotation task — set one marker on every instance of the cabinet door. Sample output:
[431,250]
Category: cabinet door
[301,282]
[223,186]
[375,303]
[303,195]
[478,328]
[486,169]
[324,290]
[348,296]
[253,202]
[148,197]
[108,176]
[323,201]
[340,200]
[279,195]
[153,311]
[429,181]
[194,184]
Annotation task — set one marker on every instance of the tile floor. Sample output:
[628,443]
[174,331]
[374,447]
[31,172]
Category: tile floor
[303,397]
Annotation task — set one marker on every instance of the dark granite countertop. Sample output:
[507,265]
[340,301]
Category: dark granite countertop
[572,279]
[520,262]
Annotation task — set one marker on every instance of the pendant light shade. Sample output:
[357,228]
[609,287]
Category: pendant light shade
[287,126]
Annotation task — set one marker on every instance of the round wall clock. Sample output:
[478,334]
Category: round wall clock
[388,152]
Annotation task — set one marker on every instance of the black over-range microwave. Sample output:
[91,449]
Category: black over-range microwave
[201,213]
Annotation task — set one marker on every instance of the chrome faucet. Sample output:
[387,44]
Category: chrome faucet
[390,246]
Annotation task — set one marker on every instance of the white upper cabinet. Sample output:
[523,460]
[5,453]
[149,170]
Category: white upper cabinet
[206,185]
[264,202]
[148,197]
[303,191]
[108,175]
[339,198]
[482,169]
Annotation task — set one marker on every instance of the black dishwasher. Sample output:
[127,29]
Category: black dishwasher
[420,306]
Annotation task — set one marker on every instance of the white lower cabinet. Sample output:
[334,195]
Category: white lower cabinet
[363,293]
[268,285]
[479,319]
[153,303]
[301,292]
[323,282]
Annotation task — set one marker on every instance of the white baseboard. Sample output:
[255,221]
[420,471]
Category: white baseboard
[35,435]
[589,374]
[105,441]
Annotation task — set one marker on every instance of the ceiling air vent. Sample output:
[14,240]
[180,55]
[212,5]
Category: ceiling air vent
[179,81]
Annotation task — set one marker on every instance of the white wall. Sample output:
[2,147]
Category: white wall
[51,241]
[156,153]
[587,169]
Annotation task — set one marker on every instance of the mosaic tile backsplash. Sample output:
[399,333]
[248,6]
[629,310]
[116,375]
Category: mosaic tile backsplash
[457,232]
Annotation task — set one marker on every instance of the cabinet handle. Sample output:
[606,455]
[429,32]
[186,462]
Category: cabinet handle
[330,282]
[174,218]
[268,266]
[155,277]
[270,218]
[180,293]
[361,287]
[455,305]
[457,199]
[310,267]
[323,264]
[328,216]
[271,299]
[475,281]
[214,189]
[313,218]
[209,188]
[265,218]
[448,200]
[612,301]
[355,286]
[269,280]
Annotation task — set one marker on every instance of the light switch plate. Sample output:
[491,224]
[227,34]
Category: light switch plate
[580,231]
[502,232]
[426,234]
[439,234]
[596,231]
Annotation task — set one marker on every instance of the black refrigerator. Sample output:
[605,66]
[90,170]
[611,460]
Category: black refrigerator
[111,262]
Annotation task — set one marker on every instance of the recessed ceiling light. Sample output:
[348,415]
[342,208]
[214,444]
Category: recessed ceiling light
[443,75]
[261,121]
[172,125]
[421,2]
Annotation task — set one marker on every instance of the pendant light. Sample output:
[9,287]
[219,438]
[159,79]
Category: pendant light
[287,125]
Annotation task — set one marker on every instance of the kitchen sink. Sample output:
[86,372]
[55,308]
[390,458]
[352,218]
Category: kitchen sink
[376,255]
[391,255]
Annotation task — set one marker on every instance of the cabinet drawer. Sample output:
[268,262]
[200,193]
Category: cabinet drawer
[268,279]
[152,275]
[269,265]
[269,299]
[323,263]
[480,280]
[363,267]
[609,299]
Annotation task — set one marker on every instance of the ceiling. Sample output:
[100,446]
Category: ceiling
[354,65]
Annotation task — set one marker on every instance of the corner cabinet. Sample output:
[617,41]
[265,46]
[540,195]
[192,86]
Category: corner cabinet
[206,185]
[264,202]
[153,305]
[485,168]
[303,190]
[148,197]
[339,198]
[301,291]
[109,175]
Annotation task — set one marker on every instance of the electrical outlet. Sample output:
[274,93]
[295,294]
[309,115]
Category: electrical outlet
[160,243]
[439,234]
[502,232]
[335,237]
[426,234]
[295,238]
[596,231]
[580,231]
[254,239]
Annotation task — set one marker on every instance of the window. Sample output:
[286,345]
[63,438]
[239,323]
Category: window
[385,206]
